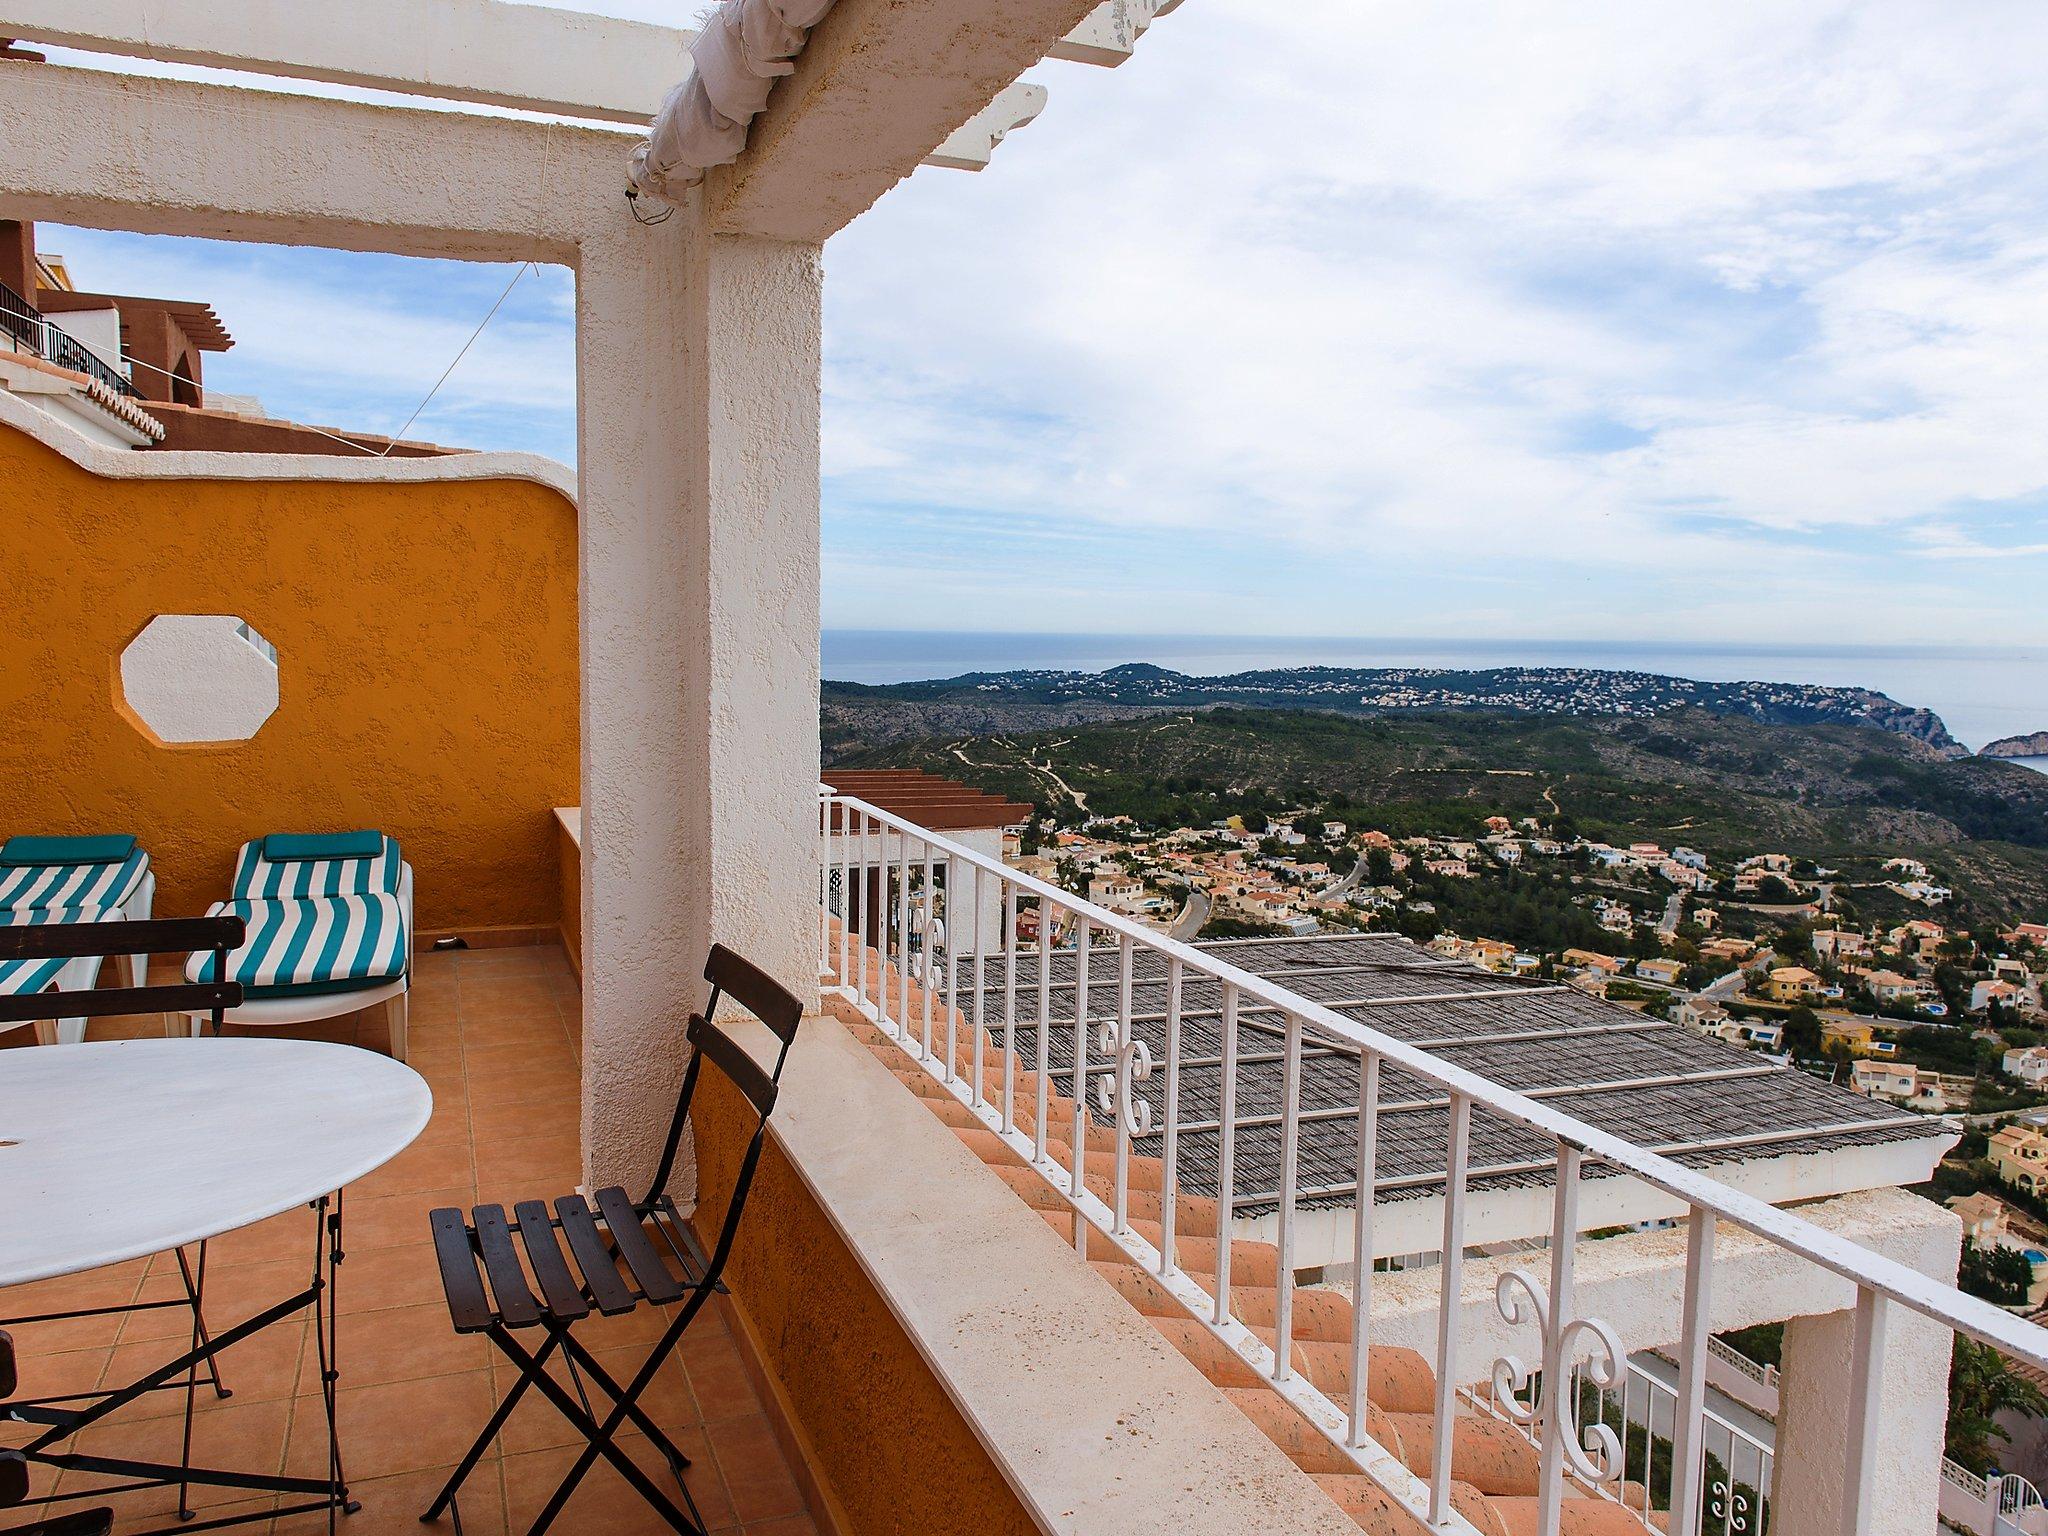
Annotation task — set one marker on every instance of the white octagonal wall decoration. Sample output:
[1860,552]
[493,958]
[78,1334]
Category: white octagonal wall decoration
[199,677]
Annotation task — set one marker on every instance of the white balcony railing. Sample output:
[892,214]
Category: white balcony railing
[1763,1375]
[908,978]
[1642,1412]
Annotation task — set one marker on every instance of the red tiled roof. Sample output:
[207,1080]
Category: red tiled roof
[940,804]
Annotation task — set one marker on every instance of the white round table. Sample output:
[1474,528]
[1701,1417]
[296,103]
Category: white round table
[111,1150]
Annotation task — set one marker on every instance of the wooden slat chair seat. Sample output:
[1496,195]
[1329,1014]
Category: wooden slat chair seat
[550,1268]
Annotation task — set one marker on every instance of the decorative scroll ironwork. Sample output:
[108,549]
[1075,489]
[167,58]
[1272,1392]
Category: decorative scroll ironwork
[1729,1506]
[1591,1451]
[1113,1093]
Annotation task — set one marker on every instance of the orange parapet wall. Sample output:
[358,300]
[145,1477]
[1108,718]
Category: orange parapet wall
[427,654]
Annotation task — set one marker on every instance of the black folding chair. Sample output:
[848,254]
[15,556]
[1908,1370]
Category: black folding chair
[14,1471]
[589,1277]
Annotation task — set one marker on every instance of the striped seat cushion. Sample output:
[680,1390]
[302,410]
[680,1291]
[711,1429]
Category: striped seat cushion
[320,944]
[47,887]
[261,879]
[25,978]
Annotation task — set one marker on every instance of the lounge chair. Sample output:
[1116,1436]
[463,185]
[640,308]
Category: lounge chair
[26,978]
[329,931]
[110,876]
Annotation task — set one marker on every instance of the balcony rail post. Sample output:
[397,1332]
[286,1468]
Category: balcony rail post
[980,992]
[1119,1111]
[1449,1306]
[867,916]
[1688,1451]
[903,921]
[1362,1253]
[932,931]
[1169,1193]
[950,926]
[1043,1087]
[1560,1395]
[1009,1006]
[1083,939]
[1226,1161]
[1290,1155]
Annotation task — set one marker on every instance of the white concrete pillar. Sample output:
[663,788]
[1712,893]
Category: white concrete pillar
[986,935]
[697,384]
[1814,1395]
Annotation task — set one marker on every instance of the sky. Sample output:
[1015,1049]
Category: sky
[1575,320]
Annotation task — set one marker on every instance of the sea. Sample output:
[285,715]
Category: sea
[1981,692]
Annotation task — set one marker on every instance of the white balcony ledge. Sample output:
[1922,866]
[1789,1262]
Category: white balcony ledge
[1096,1424]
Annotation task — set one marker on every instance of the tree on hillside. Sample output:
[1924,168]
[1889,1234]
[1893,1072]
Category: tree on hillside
[1981,1386]
[1802,1034]
[1999,1275]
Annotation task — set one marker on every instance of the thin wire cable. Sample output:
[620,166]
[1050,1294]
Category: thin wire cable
[348,442]
[392,441]
[415,416]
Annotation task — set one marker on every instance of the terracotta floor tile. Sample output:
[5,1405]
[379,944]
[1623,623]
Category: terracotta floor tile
[392,1506]
[396,1427]
[433,1043]
[520,1058]
[233,1294]
[396,1344]
[240,1437]
[718,1378]
[757,1476]
[539,1040]
[509,959]
[604,1501]
[641,1326]
[399,1221]
[537,1424]
[108,1285]
[543,1170]
[789,1525]
[282,1237]
[60,1373]
[262,1368]
[388,1277]
[556,1085]
[112,1286]
[70,1334]
[495,1126]
[440,1159]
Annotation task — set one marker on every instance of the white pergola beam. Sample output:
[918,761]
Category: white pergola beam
[1109,34]
[182,157]
[881,84]
[970,146]
[528,57]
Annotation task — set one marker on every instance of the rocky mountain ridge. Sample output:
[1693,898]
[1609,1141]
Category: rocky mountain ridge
[981,703]
[2031,744]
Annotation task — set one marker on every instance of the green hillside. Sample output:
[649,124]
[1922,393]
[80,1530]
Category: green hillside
[1844,796]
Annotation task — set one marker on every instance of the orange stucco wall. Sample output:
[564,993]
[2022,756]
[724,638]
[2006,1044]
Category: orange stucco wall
[426,637]
[897,1456]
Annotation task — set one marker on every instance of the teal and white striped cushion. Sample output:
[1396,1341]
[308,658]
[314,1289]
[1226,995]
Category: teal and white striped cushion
[48,887]
[259,879]
[322,944]
[25,978]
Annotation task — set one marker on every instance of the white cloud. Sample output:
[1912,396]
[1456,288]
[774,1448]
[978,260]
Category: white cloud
[1641,288]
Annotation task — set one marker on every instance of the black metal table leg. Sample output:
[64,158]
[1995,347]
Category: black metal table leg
[61,1423]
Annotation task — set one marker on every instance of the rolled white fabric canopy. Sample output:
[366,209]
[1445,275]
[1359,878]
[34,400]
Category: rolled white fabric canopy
[735,60]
